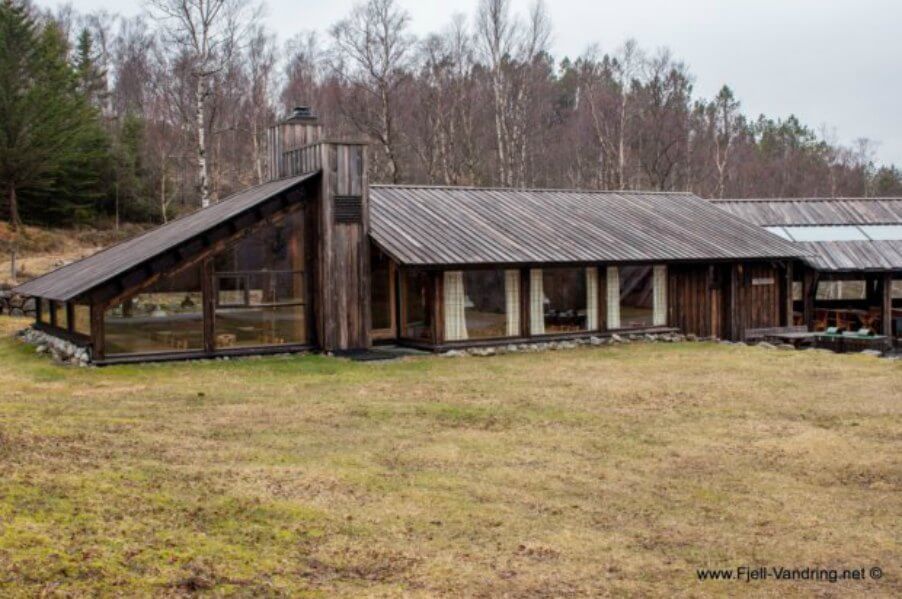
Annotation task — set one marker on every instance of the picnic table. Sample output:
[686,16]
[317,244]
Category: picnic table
[840,342]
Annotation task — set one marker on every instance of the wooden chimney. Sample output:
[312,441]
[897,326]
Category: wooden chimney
[299,129]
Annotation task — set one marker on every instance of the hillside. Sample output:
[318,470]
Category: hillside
[42,250]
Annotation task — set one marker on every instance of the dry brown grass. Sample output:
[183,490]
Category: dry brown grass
[611,471]
[42,250]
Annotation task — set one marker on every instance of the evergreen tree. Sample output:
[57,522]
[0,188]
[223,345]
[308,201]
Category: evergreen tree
[52,147]
[92,79]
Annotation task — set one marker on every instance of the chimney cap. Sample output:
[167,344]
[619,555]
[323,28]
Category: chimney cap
[302,113]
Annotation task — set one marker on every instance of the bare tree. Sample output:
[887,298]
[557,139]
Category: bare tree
[629,62]
[203,28]
[372,50]
[724,113]
[497,32]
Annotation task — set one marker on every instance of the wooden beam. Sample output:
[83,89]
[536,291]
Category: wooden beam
[809,292]
[70,317]
[736,292]
[524,302]
[437,305]
[106,299]
[602,299]
[887,304]
[787,298]
[98,341]
[209,303]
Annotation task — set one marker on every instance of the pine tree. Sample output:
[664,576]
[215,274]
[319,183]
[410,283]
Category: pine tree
[52,147]
[92,78]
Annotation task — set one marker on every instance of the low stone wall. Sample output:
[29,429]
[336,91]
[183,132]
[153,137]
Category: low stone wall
[62,351]
[614,339]
[13,304]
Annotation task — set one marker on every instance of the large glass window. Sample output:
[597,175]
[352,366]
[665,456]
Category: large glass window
[62,316]
[841,290]
[636,297]
[485,304]
[164,318]
[480,304]
[81,319]
[416,304]
[564,300]
[45,311]
[260,288]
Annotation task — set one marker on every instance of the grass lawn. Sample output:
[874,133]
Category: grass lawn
[602,471]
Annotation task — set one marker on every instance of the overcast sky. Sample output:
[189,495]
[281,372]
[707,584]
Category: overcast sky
[834,63]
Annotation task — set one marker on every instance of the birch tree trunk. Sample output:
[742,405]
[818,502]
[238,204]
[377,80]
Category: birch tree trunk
[202,171]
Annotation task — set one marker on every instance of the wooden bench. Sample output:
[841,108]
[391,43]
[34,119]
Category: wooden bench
[754,335]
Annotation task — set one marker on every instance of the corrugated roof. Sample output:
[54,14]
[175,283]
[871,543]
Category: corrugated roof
[853,255]
[72,280]
[815,211]
[421,225]
[830,255]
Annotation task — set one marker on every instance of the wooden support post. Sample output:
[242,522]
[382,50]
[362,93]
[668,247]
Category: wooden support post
[602,277]
[524,302]
[788,299]
[435,301]
[809,292]
[97,333]
[887,305]
[208,294]
[736,294]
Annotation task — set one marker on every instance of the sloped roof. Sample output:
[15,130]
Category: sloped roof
[421,225]
[70,281]
[816,211]
[859,255]
[853,255]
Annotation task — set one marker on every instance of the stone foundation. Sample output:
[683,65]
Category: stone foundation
[13,304]
[614,339]
[62,351]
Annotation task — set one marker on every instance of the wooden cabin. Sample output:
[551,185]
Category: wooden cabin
[319,259]
[851,272]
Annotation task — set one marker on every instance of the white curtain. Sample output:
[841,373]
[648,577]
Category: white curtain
[613,291]
[512,301]
[536,303]
[455,306]
[592,298]
[660,296]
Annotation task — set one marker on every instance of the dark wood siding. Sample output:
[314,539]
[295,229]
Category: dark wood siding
[344,292]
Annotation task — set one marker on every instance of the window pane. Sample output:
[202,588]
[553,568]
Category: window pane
[82,319]
[167,317]
[45,311]
[837,233]
[261,287]
[250,327]
[277,247]
[779,231]
[485,304]
[897,290]
[230,290]
[841,290]
[883,232]
[565,300]
[636,297]
[418,321]
[62,317]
